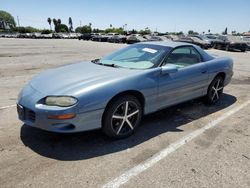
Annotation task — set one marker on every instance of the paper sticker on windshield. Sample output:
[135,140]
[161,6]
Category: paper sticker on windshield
[150,50]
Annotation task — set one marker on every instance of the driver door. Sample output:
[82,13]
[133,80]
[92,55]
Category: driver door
[190,81]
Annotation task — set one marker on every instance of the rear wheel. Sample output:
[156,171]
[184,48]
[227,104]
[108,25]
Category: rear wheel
[215,90]
[122,117]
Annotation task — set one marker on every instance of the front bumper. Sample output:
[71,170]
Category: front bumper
[39,119]
[36,115]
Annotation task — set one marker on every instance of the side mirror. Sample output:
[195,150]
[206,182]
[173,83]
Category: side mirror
[167,69]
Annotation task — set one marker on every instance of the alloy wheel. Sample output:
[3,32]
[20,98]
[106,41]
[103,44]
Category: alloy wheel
[125,118]
[216,90]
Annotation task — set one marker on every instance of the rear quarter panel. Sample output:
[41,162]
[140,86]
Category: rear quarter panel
[220,65]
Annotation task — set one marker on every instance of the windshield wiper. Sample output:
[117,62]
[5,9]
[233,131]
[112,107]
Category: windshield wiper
[110,65]
[97,61]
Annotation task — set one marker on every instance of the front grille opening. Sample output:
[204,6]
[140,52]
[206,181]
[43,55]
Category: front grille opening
[64,127]
[31,115]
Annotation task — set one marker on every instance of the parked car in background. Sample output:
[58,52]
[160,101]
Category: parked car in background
[117,39]
[57,36]
[9,35]
[72,35]
[143,81]
[36,35]
[24,35]
[211,39]
[100,37]
[2,35]
[247,41]
[147,37]
[172,37]
[159,38]
[47,36]
[230,42]
[155,38]
[85,36]
[134,38]
[210,36]
[196,41]
[64,35]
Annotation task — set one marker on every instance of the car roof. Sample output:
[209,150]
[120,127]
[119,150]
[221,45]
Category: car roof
[170,44]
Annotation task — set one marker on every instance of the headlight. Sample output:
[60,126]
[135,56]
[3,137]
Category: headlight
[63,101]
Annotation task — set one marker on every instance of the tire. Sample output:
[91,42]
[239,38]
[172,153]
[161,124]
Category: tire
[116,123]
[215,90]
[243,50]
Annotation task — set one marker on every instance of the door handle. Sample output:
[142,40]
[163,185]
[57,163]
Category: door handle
[203,72]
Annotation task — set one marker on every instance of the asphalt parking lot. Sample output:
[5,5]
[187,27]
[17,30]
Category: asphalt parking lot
[188,145]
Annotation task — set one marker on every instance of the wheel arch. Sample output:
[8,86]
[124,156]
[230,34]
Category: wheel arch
[222,74]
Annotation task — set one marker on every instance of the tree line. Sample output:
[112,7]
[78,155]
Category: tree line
[7,23]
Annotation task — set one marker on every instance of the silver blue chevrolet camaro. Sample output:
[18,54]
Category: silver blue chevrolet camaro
[114,92]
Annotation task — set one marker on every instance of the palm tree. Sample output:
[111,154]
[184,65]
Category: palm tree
[225,32]
[70,24]
[90,24]
[55,23]
[110,25]
[49,21]
[59,21]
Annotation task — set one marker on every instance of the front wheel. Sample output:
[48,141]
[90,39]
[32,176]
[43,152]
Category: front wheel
[215,90]
[121,117]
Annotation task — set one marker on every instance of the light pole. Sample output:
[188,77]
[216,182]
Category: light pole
[125,28]
[18,23]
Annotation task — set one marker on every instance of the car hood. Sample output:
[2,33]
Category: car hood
[67,80]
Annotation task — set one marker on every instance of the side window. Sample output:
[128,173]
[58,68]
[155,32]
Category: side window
[183,57]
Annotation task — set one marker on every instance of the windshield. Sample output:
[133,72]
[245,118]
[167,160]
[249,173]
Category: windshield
[246,39]
[234,38]
[137,56]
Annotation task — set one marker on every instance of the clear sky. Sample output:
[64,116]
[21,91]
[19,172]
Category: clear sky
[163,15]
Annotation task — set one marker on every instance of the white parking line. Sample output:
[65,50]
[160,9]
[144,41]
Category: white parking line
[126,176]
[10,106]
